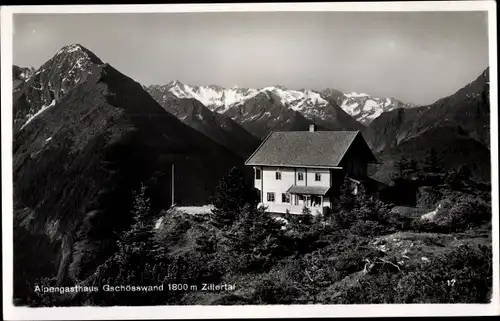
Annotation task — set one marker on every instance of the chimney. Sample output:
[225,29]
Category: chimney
[312,128]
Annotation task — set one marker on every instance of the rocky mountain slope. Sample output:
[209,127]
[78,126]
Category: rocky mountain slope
[391,128]
[218,127]
[457,127]
[468,108]
[85,138]
[264,113]
[71,66]
[453,145]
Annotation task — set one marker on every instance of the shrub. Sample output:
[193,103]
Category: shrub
[369,290]
[368,216]
[367,228]
[462,275]
[255,238]
[464,213]
[274,290]
[303,234]
[428,196]
[355,260]
[454,179]
[173,227]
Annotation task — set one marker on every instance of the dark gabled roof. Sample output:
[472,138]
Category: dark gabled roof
[309,190]
[304,149]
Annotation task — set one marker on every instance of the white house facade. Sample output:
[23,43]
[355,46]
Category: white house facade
[293,170]
[292,188]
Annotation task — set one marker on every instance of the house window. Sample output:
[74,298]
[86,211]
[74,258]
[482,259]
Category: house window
[257,173]
[278,175]
[270,197]
[300,176]
[317,177]
[285,198]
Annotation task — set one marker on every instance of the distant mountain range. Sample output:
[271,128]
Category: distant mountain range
[310,103]
[262,110]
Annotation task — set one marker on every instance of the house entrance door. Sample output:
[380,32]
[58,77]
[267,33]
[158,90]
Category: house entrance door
[316,201]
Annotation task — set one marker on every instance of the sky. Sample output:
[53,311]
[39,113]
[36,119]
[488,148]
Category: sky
[417,57]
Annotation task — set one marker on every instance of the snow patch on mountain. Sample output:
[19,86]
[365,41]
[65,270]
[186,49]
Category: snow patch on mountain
[365,108]
[33,116]
[355,95]
[215,98]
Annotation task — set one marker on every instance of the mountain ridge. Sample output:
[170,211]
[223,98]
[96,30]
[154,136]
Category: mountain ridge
[362,107]
[467,107]
[456,126]
[219,127]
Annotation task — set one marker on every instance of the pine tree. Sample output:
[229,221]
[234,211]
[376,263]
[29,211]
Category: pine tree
[401,165]
[306,217]
[231,195]
[138,238]
[433,163]
[256,236]
[346,202]
[347,199]
[404,168]
[412,166]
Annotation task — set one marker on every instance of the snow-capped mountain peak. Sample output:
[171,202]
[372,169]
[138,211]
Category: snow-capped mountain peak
[364,107]
[214,97]
[361,106]
[220,99]
[69,67]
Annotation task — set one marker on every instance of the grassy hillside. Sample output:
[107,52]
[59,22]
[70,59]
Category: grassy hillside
[366,252]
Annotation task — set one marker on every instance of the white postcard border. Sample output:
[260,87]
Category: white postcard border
[202,312]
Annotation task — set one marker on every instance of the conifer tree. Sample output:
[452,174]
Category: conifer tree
[433,163]
[231,195]
[139,236]
[347,199]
